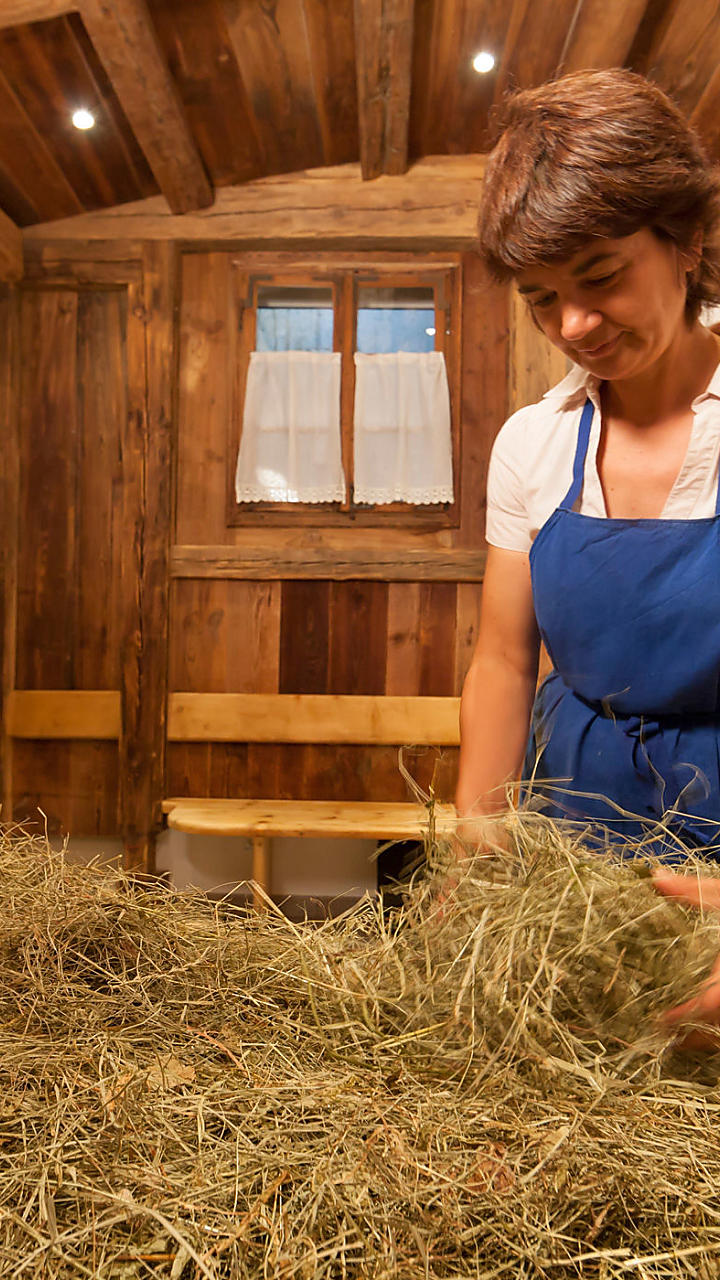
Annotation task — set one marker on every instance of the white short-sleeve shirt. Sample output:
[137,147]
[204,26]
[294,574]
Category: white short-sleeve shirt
[532,460]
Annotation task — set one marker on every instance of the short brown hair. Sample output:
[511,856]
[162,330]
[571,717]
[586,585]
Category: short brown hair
[598,153]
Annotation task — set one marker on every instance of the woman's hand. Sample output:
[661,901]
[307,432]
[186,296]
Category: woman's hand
[705,1006]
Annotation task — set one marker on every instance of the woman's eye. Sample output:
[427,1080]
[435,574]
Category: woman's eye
[545,300]
[602,280]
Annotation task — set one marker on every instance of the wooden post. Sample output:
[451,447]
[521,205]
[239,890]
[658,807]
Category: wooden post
[145,574]
[261,869]
[9,488]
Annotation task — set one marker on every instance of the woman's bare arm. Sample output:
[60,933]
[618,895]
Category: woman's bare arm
[500,686]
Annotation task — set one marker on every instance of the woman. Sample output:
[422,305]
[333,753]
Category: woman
[604,499]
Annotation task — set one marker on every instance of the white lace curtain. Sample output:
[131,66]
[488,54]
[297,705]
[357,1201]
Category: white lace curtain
[403,445]
[290,446]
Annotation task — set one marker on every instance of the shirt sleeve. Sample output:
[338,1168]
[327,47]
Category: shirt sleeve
[508,524]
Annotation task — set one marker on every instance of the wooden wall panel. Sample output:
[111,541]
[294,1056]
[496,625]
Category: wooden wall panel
[9,487]
[102,409]
[204,401]
[304,637]
[225,636]
[49,440]
[486,322]
[73,784]
[358,637]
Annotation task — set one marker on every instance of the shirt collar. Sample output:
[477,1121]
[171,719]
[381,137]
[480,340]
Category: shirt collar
[578,384]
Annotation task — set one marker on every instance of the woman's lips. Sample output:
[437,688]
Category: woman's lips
[602,349]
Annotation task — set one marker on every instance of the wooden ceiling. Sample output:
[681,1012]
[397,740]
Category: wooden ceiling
[194,95]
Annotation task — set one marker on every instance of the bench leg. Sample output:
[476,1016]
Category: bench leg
[261,868]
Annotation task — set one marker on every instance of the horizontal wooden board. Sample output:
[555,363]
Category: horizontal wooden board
[318,818]
[64,713]
[369,563]
[438,197]
[304,718]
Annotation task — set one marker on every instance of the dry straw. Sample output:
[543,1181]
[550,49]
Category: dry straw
[472,1086]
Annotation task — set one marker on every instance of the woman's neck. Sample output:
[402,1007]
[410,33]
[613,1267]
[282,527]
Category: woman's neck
[668,386]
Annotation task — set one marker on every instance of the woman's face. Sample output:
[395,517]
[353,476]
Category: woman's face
[615,307]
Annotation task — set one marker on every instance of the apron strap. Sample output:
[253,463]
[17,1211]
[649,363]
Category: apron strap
[717,498]
[583,439]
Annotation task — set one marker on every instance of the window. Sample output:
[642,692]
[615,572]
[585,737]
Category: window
[336,317]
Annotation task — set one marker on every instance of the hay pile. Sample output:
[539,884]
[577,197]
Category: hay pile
[468,1089]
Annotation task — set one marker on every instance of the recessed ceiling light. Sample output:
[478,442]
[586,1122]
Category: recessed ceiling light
[83,119]
[430,333]
[483,62]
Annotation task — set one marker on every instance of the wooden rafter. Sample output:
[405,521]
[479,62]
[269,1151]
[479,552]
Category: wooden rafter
[383,44]
[125,41]
[11,249]
[602,34]
[15,12]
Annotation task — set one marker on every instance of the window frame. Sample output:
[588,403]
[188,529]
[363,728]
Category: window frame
[441,273]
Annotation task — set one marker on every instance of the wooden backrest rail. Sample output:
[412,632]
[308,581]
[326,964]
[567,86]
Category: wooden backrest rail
[319,718]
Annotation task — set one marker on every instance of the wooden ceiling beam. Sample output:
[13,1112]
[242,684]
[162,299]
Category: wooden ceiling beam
[14,13]
[124,39]
[11,249]
[436,201]
[383,59]
[602,34]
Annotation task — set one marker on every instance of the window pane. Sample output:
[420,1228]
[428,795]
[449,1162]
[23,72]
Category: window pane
[294,319]
[395,320]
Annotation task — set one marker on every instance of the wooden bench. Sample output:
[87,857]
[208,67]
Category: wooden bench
[308,718]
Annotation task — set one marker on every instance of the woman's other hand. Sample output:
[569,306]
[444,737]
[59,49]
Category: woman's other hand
[704,892]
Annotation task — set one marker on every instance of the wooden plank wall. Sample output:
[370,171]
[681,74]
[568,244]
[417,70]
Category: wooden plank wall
[115,393]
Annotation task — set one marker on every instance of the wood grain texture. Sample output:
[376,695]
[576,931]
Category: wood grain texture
[438,196]
[320,818]
[402,669]
[9,490]
[11,249]
[144,569]
[467,626]
[485,354]
[203,397]
[357,638]
[383,54]
[67,789]
[15,12]
[303,718]
[225,636]
[683,56]
[50,455]
[270,44]
[37,176]
[124,39]
[331,41]
[535,364]
[384,564]
[602,34]
[61,713]
[304,637]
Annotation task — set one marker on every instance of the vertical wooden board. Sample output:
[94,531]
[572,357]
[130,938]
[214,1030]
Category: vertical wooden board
[9,485]
[304,627]
[189,768]
[102,409]
[358,637]
[47,578]
[275,771]
[228,770]
[146,550]
[332,52]
[203,399]
[535,364]
[224,636]
[197,633]
[467,625]
[437,638]
[484,390]
[93,783]
[402,671]
[74,784]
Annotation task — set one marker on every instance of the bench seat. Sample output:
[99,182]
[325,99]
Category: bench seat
[262,819]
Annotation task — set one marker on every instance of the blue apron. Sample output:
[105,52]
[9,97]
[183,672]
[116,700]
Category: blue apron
[626,730]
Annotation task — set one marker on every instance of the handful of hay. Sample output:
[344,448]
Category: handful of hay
[472,1087]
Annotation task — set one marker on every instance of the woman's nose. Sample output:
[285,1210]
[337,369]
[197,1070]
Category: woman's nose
[577,321]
